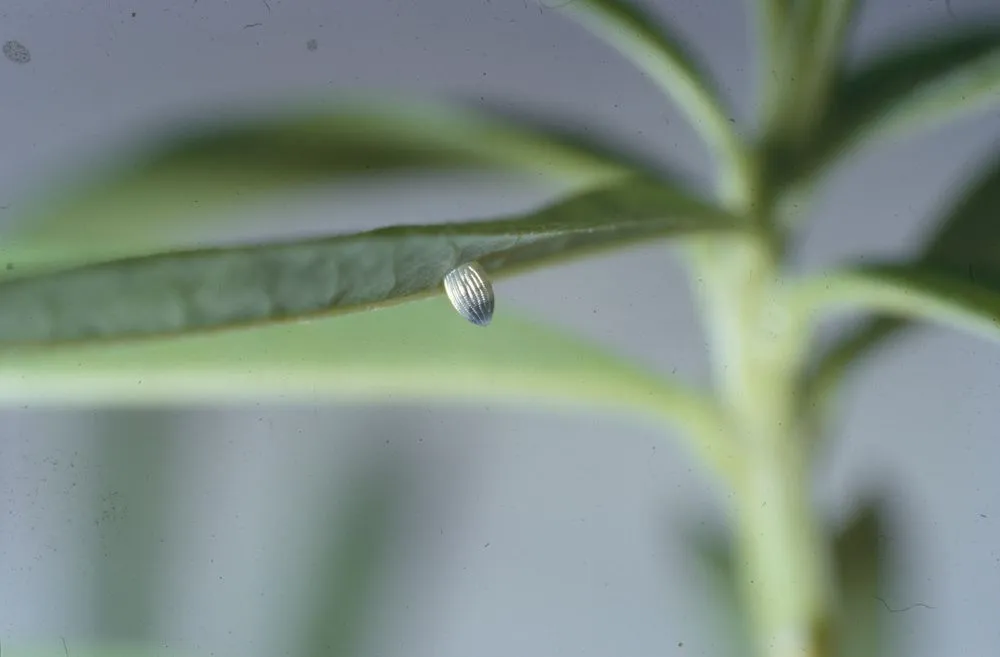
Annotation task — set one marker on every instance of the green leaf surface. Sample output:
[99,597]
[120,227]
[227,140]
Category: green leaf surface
[903,293]
[415,351]
[955,281]
[928,78]
[910,292]
[773,43]
[174,182]
[657,51]
[818,30]
[967,242]
[172,293]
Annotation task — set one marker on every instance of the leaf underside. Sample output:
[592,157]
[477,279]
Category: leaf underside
[955,281]
[413,351]
[218,288]
[917,77]
[344,586]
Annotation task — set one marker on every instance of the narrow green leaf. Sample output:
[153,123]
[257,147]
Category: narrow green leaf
[175,183]
[967,243]
[420,350]
[909,292]
[353,561]
[829,370]
[712,559]
[929,78]
[902,292]
[809,53]
[818,31]
[863,568]
[773,44]
[174,293]
[654,48]
[955,280]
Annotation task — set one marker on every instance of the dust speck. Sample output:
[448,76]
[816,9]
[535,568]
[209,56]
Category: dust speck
[311,45]
[16,52]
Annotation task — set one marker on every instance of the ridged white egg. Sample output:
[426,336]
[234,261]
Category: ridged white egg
[470,292]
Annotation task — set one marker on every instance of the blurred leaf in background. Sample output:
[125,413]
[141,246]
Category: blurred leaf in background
[708,555]
[954,281]
[864,571]
[420,350]
[160,192]
[352,564]
[354,526]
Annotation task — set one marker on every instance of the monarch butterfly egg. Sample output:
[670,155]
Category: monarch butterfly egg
[470,292]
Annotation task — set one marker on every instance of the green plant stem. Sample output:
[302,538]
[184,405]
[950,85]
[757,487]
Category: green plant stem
[817,32]
[757,346]
[772,28]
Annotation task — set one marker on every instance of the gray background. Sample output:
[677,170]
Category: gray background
[529,532]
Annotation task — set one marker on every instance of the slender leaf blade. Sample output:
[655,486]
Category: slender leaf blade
[912,292]
[898,295]
[710,556]
[774,42]
[415,351]
[819,29]
[172,293]
[655,49]
[863,567]
[176,182]
[928,78]
[828,372]
[955,281]
[352,562]
[967,242]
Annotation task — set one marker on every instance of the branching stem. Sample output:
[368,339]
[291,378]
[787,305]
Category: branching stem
[758,346]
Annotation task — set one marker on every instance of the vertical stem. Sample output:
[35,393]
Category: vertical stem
[784,567]
[773,42]
[819,28]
